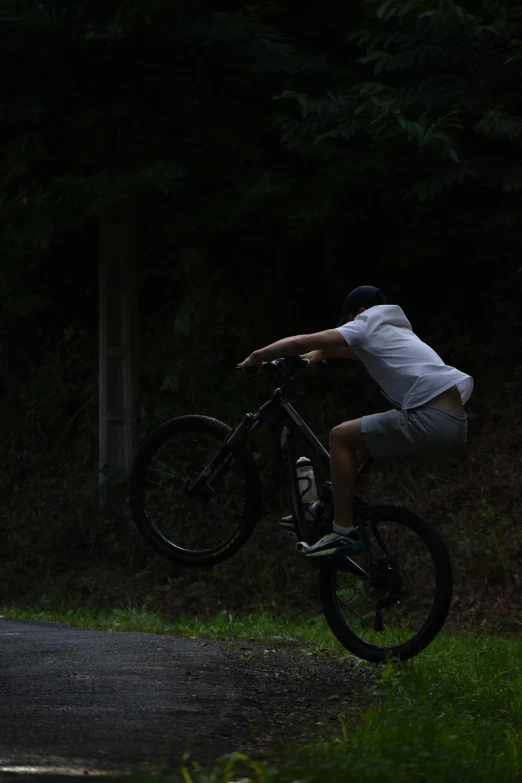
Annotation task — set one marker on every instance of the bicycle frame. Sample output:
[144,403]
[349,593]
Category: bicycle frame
[286,425]
[286,422]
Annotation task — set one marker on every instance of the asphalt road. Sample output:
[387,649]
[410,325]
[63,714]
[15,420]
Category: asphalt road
[79,702]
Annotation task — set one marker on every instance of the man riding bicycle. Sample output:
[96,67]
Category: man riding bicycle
[429,395]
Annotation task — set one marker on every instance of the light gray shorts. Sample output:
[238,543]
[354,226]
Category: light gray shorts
[427,431]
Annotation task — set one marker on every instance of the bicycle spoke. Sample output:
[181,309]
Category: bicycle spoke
[162,486]
[227,508]
[402,564]
[193,522]
[183,495]
[167,472]
[349,608]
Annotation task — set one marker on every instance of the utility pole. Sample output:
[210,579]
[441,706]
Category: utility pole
[118,384]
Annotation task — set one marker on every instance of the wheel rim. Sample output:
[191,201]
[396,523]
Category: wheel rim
[204,524]
[395,608]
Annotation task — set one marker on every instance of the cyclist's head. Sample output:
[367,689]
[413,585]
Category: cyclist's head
[360,299]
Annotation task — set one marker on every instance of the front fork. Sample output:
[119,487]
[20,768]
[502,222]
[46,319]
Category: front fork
[223,459]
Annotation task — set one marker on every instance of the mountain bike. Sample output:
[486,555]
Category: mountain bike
[195,494]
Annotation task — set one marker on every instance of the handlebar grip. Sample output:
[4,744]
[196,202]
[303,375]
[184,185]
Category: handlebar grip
[296,362]
[249,371]
[285,365]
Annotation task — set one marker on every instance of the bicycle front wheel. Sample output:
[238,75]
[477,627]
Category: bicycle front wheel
[202,530]
[402,605]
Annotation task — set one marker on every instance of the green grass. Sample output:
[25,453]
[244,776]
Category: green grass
[454,713]
[261,625]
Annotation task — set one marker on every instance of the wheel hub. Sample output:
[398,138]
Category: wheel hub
[203,494]
[385,579]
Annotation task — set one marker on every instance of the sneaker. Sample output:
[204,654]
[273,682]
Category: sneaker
[335,544]
[310,513]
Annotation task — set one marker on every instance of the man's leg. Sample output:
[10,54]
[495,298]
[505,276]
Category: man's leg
[362,456]
[347,452]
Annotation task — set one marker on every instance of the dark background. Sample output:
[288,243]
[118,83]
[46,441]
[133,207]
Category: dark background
[277,158]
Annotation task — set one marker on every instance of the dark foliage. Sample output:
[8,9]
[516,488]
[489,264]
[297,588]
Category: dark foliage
[279,156]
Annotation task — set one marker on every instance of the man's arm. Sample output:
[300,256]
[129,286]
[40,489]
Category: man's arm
[322,355]
[330,342]
[342,353]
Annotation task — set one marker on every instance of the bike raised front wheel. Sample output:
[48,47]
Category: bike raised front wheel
[402,604]
[202,529]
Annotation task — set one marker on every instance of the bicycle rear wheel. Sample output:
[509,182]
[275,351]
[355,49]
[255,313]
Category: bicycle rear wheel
[202,530]
[404,604]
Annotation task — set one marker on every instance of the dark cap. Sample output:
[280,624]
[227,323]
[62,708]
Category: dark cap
[364,296]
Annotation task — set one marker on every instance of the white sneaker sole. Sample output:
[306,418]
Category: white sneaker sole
[331,551]
[322,552]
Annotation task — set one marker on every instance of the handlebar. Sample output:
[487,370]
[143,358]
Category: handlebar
[288,365]
[284,366]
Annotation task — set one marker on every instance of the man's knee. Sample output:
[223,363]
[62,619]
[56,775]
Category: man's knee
[348,434]
[336,434]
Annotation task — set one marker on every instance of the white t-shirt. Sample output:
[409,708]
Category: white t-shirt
[408,371]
